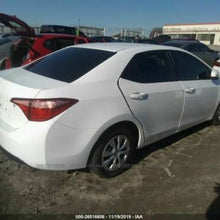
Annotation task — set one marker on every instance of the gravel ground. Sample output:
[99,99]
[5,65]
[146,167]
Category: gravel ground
[179,175]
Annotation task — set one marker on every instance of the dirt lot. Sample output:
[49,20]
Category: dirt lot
[178,175]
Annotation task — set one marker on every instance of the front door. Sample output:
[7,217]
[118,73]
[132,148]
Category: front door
[200,92]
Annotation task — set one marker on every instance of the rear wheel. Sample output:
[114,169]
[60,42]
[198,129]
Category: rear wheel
[113,153]
[216,117]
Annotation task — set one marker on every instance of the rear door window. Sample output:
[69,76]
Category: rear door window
[60,43]
[49,44]
[69,64]
[150,67]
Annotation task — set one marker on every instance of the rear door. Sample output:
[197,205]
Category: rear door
[153,93]
[200,92]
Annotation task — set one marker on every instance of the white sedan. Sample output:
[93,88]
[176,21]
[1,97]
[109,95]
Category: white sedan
[92,105]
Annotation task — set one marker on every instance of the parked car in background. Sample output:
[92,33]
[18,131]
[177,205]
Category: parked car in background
[197,48]
[126,39]
[102,39]
[5,44]
[31,46]
[61,29]
[93,105]
[145,41]
[28,49]
[161,38]
[8,35]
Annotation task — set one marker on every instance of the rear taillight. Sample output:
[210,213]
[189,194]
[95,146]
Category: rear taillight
[43,109]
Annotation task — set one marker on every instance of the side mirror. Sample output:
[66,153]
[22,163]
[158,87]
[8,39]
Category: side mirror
[215,74]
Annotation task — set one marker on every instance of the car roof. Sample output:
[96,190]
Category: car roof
[58,35]
[182,42]
[116,47]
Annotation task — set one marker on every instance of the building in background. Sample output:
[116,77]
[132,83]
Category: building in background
[131,32]
[207,33]
[92,31]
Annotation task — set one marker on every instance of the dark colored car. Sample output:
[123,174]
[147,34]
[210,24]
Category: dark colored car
[60,29]
[5,45]
[197,48]
[162,38]
[146,41]
[126,39]
[103,39]
[30,46]
[8,35]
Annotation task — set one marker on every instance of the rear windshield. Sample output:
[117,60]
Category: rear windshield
[69,64]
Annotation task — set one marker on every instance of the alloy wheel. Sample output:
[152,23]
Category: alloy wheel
[115,153]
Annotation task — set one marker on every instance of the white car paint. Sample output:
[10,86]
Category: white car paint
[65,141]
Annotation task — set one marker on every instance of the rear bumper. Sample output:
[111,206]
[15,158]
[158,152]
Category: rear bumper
[12,156]
[50,146]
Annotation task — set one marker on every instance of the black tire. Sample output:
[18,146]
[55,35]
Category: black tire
[216,117]
[96,164]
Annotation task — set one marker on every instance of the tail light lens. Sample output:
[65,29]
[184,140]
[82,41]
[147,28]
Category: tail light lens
[43,109]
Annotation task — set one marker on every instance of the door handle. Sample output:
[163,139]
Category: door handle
[190,90]
[139,96]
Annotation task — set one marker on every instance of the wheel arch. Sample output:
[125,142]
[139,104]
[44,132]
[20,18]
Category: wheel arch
[137,129]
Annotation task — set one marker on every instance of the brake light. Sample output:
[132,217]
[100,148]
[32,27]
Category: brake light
[43,109]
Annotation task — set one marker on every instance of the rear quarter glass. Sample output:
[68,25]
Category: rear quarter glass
[69,64]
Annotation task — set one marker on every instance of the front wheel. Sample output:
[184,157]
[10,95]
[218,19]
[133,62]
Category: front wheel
[113,153]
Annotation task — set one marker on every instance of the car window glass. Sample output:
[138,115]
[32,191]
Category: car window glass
[193,48]
[150,67]
[190,68]
[62,42]
[48,44]
[154,67]
[130,72]
[69,64]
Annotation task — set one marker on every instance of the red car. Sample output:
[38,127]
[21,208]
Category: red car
[31,46]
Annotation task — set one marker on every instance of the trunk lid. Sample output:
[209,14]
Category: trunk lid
[17,25]
[19,83]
